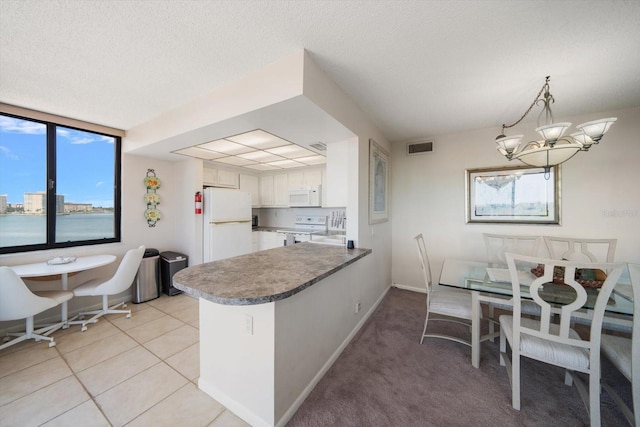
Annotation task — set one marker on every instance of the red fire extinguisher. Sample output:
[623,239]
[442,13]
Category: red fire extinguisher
[198,203]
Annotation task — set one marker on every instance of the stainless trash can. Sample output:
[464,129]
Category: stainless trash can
[170,264]
[145,285]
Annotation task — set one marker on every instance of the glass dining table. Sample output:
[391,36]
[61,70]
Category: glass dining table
[490,284]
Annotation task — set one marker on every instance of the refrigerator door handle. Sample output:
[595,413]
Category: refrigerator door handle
[231,222]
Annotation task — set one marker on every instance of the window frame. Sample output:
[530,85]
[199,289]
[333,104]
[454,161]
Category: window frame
[51,187]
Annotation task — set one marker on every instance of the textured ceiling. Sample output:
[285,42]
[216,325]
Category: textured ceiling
[416,68]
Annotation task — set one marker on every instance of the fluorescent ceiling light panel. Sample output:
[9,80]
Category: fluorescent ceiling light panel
[236,161]
[199,153]
[291,151]
[262,167]
[312,160]
[226,147]
[260,156]
[258,139]
[286,164]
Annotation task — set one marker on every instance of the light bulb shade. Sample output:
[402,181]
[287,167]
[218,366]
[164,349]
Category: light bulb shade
[548,156]
[582,139]
[596,128]
[509,143]
[552,132]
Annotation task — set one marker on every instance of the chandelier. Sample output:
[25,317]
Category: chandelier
[554,148]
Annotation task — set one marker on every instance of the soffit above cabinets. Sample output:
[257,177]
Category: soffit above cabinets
[257,150]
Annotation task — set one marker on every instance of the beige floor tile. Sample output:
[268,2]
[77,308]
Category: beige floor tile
[105,375]
[187,315]
[186,407]
[18,360]
[85,415]
[228,419]
[23,345]
[154,329]
[21,383]
[77,339]
[137,318]
[59,397]
[99,351]
[196,324]
[187,362]
[131,398]
[173,342]
[180,302]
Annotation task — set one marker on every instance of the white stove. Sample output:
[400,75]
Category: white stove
[303,227]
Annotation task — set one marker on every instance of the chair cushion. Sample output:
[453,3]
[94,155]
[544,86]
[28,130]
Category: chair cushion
[549,351]
[87,288]
[58,296]
[451,303]
[618,351]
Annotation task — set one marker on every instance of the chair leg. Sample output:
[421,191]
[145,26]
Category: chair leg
[515,379]
[424,330]
[568,379]
[503,347]
[99,313]
[594,397]
[29,334]
[491,324]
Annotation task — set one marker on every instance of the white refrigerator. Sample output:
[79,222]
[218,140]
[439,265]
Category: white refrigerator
[227,223]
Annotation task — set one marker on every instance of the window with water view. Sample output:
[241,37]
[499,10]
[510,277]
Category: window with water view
[59,186]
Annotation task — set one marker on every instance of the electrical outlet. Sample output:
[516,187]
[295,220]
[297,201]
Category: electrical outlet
[357,308]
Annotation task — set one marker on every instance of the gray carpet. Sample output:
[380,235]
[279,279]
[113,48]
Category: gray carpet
[386,378]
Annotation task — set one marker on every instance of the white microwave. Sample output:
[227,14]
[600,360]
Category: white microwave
[307,196]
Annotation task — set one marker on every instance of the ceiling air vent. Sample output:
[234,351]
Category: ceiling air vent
[320,146]
[419,148]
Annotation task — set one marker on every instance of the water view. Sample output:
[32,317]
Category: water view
[17,230]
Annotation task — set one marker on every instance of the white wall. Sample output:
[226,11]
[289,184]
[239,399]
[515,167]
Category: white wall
[599,191]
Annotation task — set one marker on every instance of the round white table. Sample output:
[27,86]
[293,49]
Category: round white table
[39,269]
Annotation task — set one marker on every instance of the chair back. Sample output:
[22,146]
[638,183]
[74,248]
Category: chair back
[572,301]
[578,249]
[126,272]
[16,300]
[424,261]
[498,245]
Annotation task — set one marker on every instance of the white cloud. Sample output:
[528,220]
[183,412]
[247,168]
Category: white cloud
[8,153]
[99,184]
[13,125]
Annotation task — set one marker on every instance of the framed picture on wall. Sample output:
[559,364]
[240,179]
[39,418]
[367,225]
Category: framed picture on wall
[379,191]
[520,195]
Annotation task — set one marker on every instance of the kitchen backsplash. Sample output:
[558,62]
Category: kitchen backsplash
[285,217]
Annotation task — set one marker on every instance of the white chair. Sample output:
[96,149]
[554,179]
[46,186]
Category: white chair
[579,249]
[454,305]
[556,344]
[18,302]
[622,351]
[497,245]
[120,282]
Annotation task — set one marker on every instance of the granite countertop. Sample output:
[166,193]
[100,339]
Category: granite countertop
[265,276]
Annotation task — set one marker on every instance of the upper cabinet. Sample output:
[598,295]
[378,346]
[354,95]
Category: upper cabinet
[274,190]
[305,177]
[250,184]
[219,178]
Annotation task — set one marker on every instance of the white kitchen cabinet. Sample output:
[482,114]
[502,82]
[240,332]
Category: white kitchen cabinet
[281,190]
[250,184]
[305,177]
[268,240]
[219,178]
[266,190]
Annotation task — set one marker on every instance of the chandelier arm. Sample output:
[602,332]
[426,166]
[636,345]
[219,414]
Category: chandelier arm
[535,101]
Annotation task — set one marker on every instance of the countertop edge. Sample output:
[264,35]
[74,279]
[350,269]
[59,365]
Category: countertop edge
[274,297]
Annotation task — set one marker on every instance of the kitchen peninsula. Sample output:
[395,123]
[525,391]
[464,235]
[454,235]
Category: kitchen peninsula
[272,322]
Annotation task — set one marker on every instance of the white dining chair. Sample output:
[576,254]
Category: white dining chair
[449,305]
[556,344]
[624,354]
[18,302]
[581,249]
[120,282]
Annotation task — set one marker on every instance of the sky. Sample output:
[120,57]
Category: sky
[85,162]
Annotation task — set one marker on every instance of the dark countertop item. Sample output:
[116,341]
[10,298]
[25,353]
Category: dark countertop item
[265,276]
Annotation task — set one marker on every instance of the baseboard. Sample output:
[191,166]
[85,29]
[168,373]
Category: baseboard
[316,379]
[409,288]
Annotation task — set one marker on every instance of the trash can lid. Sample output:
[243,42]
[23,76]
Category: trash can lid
[172,256]
[150,252]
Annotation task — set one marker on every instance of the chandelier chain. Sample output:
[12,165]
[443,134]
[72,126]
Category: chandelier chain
[535,101]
